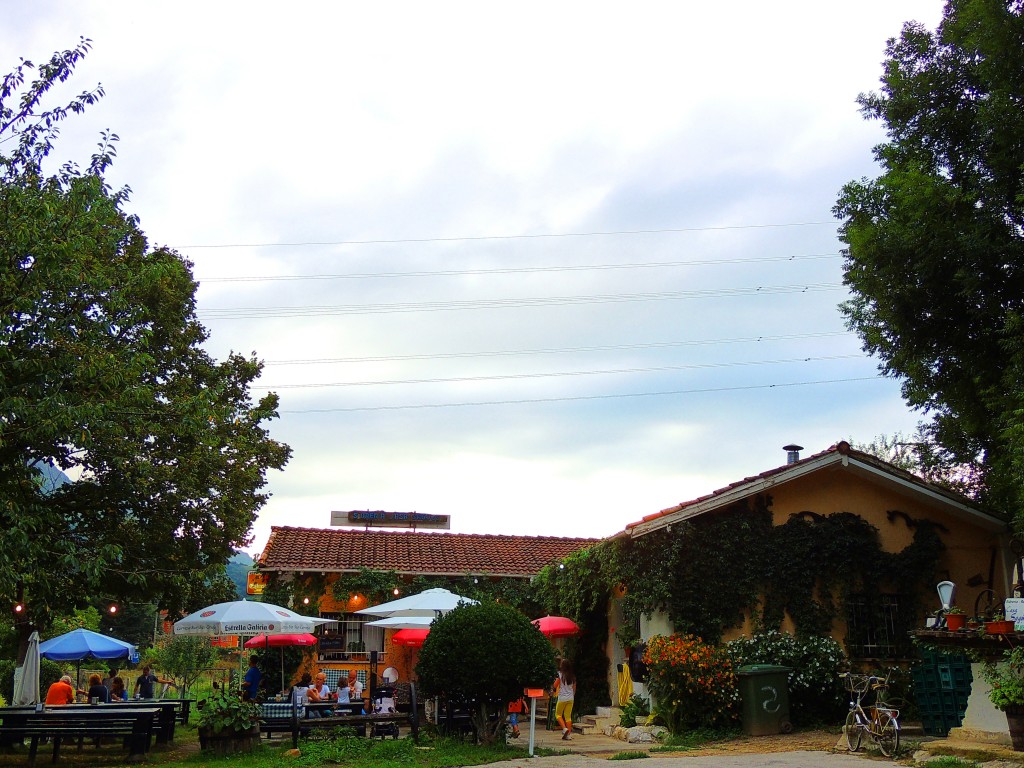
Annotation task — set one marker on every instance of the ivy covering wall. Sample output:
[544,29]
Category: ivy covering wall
[708,574]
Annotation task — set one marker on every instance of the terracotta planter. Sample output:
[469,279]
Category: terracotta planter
[998,627]
[955,621]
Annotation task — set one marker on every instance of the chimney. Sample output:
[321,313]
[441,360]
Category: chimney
[792,453]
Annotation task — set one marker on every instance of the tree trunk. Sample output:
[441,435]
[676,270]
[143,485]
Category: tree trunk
[487,730]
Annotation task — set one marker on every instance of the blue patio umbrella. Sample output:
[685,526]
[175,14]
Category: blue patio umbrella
[80,644]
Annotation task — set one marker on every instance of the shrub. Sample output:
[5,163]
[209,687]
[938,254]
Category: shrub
[815,692]
[693,683]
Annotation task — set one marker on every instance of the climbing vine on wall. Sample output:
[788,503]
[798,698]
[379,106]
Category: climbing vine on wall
[710,572]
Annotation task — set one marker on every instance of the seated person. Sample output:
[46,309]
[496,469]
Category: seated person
[97,690]
[61,692]
[309,695]
[323,690]
[117,691]
[355,689]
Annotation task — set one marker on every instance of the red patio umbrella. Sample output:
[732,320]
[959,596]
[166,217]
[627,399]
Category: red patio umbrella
[280,641]
[557,626]
[412,638]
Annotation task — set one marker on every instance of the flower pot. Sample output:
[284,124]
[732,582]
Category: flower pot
[998,627]
[1015,724]
[955,621]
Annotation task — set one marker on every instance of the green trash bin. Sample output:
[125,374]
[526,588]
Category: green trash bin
[764,691]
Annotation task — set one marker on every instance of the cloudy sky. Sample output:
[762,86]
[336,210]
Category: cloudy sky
[546,267]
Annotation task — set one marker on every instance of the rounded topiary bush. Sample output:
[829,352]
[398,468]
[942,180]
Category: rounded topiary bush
[816,694]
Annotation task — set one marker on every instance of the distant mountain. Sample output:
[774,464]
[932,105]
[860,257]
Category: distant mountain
[238,568]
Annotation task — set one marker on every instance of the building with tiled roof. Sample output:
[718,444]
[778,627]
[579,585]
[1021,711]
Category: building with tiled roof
[843,480]
[413,553]
[329,553]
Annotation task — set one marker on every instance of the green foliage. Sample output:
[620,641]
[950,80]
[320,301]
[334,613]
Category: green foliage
[484,655]
[637,706]
[815,693]
[629,756]
[103,371]
[1006,679]
[693,683]
[49,673]
[935,256]
[224,712]
[79,618]
[403,753]
[185,658]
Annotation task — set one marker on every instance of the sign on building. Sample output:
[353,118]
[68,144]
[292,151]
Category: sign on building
[379,519]
[255,583]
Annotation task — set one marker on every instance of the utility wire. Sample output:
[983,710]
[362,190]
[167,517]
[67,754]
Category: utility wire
[553,374]
[552,351]
[611,233]
[250,313]
[422,406]
[514,270]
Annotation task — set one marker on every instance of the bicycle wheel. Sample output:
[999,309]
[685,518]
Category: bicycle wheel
[852,732]
[887,733]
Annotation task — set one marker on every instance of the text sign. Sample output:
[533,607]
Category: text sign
[255,583]
[1014,610]
[380,519]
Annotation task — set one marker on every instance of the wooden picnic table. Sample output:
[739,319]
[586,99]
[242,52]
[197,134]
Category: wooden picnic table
[57,723]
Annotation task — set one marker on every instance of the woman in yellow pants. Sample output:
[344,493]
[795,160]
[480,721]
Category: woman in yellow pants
[565,691]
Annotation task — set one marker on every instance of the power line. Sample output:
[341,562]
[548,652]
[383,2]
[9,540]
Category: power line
[571,398]
[554,374]
[611,233]
[514,270]
[552,351]
[250,313]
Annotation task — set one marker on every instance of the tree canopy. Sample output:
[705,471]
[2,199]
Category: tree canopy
[935,244]
[103,375]
[483,656]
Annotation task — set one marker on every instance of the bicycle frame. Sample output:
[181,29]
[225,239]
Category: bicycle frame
[878,721]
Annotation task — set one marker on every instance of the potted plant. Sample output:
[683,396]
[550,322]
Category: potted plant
[228,725]
[997,625]
[1006,691]
[955,619]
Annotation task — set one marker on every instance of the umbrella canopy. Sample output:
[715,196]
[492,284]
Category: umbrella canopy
[403,622]
[430,602]
[244,617]
[280,641]
[27,689]
[79,644]
[411,638]
[557,626]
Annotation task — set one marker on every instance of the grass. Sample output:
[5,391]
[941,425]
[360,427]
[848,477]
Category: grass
[948,761]
[353,752]
[629,756]
[695,739]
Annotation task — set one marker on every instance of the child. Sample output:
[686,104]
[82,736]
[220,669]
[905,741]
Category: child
[515,708]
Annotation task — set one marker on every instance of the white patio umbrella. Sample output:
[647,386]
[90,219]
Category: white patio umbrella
[27,689]
[245,617]
[430,602]
[403,622]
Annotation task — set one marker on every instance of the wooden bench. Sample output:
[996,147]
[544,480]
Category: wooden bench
[282,717]
[135,726]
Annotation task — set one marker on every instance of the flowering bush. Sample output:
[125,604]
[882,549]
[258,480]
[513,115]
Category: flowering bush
[1006,680]
[815,693]
[693,683]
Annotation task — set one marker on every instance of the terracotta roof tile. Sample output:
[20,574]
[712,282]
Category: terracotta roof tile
[332,550]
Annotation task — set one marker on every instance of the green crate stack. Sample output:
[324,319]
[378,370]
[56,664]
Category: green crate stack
[942,684]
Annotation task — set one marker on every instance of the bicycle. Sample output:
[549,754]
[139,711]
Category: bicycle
[870,714]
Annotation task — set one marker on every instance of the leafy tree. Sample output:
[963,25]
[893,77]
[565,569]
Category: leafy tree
[184,659]
[935,256]
[483,656]
[103,375]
